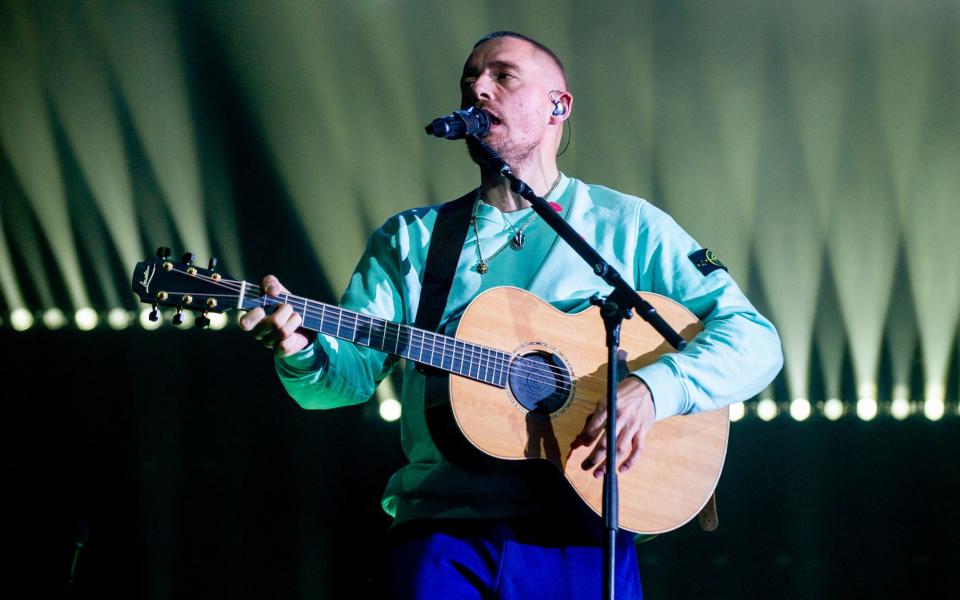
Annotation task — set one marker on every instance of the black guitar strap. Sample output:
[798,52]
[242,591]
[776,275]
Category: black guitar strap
[446,242]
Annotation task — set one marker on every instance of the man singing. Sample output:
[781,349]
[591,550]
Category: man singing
[510,532]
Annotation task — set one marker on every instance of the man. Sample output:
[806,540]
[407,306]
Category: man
[462,533]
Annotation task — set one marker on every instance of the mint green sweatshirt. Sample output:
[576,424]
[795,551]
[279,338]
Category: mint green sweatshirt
[734,358]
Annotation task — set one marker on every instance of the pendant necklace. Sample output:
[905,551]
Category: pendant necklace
[516,242]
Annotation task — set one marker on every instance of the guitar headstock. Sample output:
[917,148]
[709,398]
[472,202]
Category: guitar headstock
[161,281]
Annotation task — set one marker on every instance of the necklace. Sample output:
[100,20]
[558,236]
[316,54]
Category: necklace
[516,242]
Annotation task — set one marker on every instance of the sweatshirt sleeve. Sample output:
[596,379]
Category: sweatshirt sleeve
[737,354]
[331,373]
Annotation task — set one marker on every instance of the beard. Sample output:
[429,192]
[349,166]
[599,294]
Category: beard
[512,154]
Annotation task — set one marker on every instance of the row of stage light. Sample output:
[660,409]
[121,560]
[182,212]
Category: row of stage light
[866,408]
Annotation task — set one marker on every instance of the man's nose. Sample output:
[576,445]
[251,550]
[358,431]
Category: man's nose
[478,90]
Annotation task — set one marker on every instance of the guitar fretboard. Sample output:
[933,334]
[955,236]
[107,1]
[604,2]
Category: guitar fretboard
[474,361]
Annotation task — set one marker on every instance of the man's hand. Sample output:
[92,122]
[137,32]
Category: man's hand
[635,415]
[281,330]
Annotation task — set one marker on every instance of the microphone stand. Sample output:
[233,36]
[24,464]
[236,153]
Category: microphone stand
[613,309]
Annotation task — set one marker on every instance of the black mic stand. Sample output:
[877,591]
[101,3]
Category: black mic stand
[613,309]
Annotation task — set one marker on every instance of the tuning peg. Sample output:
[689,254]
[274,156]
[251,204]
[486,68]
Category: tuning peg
[154,314]
[188,258]
[163,252]
[178,318]
[203,321]
[213,264]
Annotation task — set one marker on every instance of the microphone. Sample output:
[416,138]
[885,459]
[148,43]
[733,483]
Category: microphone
[459,124]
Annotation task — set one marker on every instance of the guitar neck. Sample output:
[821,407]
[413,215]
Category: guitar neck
[442,352]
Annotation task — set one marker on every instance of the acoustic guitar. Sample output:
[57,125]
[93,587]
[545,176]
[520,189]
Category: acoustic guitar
[524,377]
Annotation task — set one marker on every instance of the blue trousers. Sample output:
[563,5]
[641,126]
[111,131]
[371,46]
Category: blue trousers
[511,559]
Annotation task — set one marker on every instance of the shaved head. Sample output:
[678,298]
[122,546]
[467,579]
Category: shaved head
[550,54]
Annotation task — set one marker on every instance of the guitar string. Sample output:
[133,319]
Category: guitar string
[503,366]
[473,353]
[475,350]
[522,365]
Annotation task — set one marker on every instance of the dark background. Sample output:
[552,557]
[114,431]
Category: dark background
[199,477]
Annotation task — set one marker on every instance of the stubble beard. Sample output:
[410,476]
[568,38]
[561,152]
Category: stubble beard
[513,155]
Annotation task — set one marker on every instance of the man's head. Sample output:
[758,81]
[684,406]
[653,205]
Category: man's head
[522,84]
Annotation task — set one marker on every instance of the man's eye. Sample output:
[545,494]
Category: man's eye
[504,75]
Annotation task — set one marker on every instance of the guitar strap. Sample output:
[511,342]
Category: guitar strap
[446,242]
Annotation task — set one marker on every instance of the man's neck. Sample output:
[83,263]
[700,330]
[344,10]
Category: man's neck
[495,190]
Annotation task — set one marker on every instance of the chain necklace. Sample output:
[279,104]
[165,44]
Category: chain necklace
[516,242]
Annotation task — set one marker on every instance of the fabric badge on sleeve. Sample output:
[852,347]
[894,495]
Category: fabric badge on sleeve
[706,261]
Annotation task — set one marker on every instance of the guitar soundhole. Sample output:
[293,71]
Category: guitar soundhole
[540,382]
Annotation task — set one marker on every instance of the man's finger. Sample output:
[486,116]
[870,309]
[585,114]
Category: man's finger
[634,455]
[250,320]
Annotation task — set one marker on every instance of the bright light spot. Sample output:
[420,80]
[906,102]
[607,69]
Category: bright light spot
[867,401]
[737,411]
[54,318]
[833,409]
[217,321]
[867,408]
[118,318]
[145,321]
[800,409]
[767,409]
[86,319]
[390,409]
[21,319]
[900,405]
[900,408]
[188,320]
[933,401]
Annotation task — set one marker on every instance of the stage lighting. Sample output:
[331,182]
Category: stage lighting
[867,408]
[21,319]
[118,319]
[833,409]
[800,409]
[767,409]
[145,321]
[933,400]
[737,411]
[900,405]
[390,409]
[53,318]
[217,321]
[86,319]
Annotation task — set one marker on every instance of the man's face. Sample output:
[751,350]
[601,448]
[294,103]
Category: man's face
[511,79]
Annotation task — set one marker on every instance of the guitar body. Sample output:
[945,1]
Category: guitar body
[684,455]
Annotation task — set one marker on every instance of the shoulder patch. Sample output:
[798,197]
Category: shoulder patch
[706,261]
